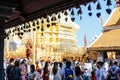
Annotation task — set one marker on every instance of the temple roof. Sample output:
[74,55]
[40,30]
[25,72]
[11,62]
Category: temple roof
[108,40]
[114,18]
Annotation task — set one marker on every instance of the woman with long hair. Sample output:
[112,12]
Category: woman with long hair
[46,71]
[78,73]
[32,74]
[56,74]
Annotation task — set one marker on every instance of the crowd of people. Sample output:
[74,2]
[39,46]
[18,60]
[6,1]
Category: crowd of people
[23,69]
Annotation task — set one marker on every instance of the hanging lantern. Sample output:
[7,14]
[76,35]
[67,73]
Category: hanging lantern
[109,3]
[108,11]
[90,13]
[98,6]
[72,12]
[79,11]
[89,7]
[98,15]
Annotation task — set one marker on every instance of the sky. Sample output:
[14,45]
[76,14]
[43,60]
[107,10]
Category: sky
[91,26]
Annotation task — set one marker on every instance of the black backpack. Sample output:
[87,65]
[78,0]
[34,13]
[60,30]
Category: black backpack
[68,74]
[8,70]
[112,73]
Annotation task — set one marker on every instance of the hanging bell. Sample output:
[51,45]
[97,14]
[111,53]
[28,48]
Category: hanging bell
[59,16]
[98,6]
[34,23]
[98,15]
[66,13]
[41,34]
[80,17]
[66,19]
[34,29]
[7,38]
[13,31]
[73,19]
[29,30]
[18,29]
[90,13]
[85,4]
[21,28]
[42,21]
[22,33]
[89,7]
[37,22]
[48,25]
[38,27]
[9,31]
[108,11]
[42,29]
[53,24]
[79,11]
[48,20]
[72,12]
[94,1]
[109,3]
[18,34]
[69,9]
[77,7]
[53,18]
